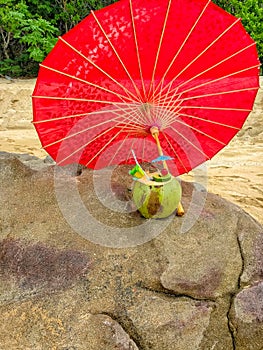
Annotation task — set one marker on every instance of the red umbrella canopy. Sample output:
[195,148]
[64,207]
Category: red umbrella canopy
[185,67]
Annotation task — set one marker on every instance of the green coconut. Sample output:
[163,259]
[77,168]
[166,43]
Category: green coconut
[157,201]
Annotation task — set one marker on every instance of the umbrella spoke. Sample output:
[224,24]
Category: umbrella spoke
[218,108]
[116,104]
[105,146]
[208,69]
[119,148]
[213,94]
[63,118]
[214,80]
[122,97]
[200,132]
[118,56]
[181,47]
[78,133]
[191,143]
[92,140]
[140,146]
[208,121]
[165,114]
[173,118]
[85,145]
[79,115]
[198,56]
[158,52]
[136,115]
[128,92]
[115,119]
[137,48]
[80,100]
[177,111]
[175,153]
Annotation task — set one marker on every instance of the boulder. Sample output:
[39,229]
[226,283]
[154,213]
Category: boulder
[139,284]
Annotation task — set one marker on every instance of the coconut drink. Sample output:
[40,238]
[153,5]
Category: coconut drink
[158,194]
[157,199]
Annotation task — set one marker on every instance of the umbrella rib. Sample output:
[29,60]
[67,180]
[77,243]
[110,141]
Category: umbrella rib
[118,56]
[190,143]
[209,121]
[218,79]
[128,155]
[92,127]
[128,92]
[122,97]
[168,121]
[181,47]
[86,144]
[92,140]
[175,153]
[116,104]
[198,56]
[122,143]
[201,132]
[210,68]
[137,117]
[214,94]
[78,99]
[78,115]
[164,114]
[102,149]
[137,48]
[159,49]
[218,108]
[142,117]
[62,118]
[78,133]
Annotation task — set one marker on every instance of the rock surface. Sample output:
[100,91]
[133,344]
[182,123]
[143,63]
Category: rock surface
[198,290]
[235,173]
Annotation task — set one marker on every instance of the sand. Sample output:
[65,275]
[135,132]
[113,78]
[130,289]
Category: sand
[235,173]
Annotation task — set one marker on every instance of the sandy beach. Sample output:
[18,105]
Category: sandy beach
[235,173]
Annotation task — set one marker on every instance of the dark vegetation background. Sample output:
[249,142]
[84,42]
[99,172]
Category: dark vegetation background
[29,28]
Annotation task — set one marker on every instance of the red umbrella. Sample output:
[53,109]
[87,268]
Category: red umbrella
[183,68]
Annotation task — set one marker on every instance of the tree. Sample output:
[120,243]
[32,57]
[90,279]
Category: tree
[25,38]
[251,14]
[29,30]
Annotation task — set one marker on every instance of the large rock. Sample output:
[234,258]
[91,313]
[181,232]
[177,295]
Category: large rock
[199,289]
[247,317]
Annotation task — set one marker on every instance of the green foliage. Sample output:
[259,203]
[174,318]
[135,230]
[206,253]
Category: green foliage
[10,67]
[25,39]
[29,28]
[38,35]
[251,14]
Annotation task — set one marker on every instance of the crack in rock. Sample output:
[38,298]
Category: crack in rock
[232,329]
